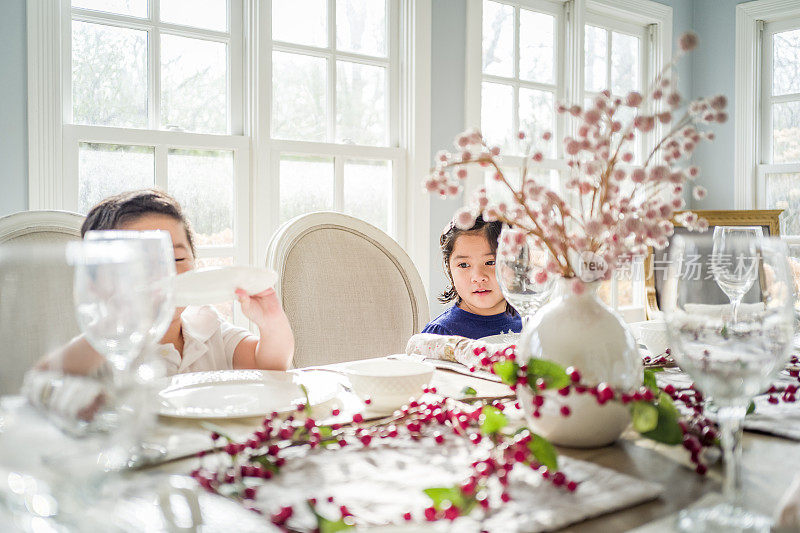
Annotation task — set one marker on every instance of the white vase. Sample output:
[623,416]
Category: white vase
[582,332]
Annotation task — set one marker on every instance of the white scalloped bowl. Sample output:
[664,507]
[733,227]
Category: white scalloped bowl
[388,383]
[653,335]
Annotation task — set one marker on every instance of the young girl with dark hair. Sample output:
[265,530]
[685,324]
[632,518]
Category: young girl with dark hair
[480,309]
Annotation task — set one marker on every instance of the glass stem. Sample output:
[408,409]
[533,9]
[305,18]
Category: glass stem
[735,308]
[526,319]
[730,423]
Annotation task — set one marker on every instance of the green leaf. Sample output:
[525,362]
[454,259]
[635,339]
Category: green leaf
[325,525]
[667,429]
[553,375]
[307,407]
[329,526]
[644,416]
[492,420]
[440,495]
[325,431]
[650,378]
[468,391]
[751,407]
[216,429]
[507,371]
[543,451]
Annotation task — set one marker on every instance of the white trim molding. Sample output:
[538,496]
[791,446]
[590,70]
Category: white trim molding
[415,60]
[747,94]
[44,26]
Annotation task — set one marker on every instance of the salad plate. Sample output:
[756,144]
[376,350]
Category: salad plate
[239,394]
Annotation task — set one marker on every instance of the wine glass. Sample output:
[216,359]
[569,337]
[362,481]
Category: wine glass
[732,264]
[520,271]
[159,270]
[730,362]
[114,310]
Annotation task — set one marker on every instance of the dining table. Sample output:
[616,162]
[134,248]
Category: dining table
[29,441]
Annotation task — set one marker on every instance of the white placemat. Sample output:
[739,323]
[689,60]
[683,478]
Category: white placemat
[781,419]
[382,482]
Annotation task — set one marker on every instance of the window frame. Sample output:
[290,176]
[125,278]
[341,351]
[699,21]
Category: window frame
[654,18]
[51,142]
[750,171]
[764,164]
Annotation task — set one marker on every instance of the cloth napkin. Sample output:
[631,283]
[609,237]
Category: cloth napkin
[457,353]
[787,516]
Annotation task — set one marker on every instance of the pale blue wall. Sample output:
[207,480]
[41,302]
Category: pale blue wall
[713,73]
[13,112]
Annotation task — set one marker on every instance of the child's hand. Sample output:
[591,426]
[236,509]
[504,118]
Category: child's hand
[261,308]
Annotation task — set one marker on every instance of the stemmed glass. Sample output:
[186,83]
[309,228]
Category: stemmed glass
[729,361]
[732,264]
[114,312]
[159,269]
[519,268]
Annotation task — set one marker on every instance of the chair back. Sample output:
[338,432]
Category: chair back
[36,306]
[350,291]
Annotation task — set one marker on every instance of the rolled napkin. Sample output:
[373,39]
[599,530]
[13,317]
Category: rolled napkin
[71,397]
[787,516]
[450,348]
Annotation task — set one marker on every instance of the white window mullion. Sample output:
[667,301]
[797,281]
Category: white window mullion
[765,133]
[161,169]
[331,86]
[338,183]
[154,75]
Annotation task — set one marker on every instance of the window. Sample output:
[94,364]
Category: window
[533,54]
[778,171]
[249,111]
[335,106]
[153,96]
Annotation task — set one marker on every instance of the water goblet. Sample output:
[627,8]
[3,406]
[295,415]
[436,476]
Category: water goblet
[520,272]
[115,314]
[159,270]
[732,265]
[730,362]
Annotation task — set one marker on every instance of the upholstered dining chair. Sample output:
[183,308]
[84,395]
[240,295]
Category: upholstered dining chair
[36,306]
[349,290]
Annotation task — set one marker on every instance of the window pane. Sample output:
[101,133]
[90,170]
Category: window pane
[306,185]
[208,14]
[194,84]
[498,39]
[298,97]
[300,21]
[537,46]
[202,181]
[106,169]
[368,191]
[134,8]
[361,26]
[785,58]
[537,115]
[786,132]
[497,191]
[624,63]
[595,59]
[783,192]
[360,104]
[497,102]
[109,75]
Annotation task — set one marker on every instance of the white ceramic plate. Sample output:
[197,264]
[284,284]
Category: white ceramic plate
[239,394]
[503,338]
[217,285]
